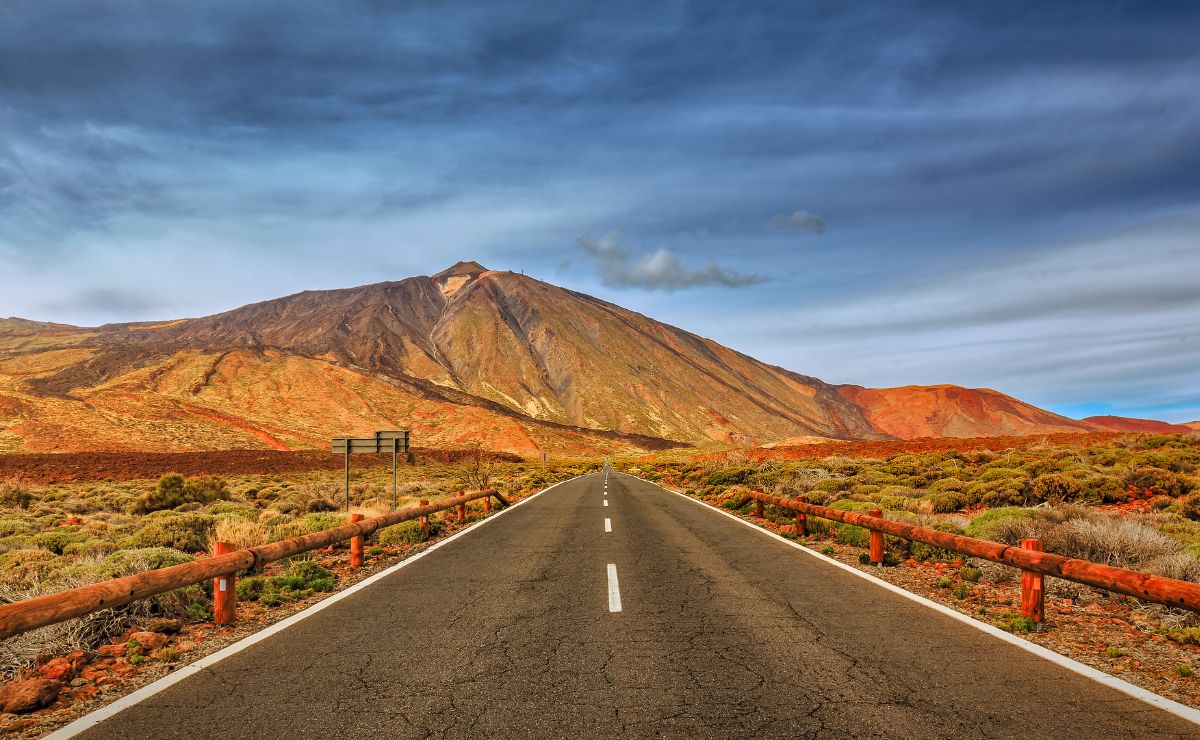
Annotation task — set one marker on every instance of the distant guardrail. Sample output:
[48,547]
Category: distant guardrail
[30,614]
[1033,563]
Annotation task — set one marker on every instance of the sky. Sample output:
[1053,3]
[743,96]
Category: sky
[1001,195]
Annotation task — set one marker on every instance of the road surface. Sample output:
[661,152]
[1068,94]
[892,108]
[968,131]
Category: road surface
[709,629]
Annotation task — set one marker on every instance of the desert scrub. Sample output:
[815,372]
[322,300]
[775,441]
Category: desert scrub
[405,533]
[241,533]
[990,524]
[304,577]
[173,490]
[185,532]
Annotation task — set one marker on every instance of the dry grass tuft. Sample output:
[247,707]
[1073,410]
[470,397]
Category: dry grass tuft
[239,532]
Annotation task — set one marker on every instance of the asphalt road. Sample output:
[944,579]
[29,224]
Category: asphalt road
[509,632]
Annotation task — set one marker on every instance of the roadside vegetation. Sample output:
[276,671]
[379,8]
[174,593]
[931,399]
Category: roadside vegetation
[59,536]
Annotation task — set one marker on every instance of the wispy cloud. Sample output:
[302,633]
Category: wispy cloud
[799,221]
[657,270]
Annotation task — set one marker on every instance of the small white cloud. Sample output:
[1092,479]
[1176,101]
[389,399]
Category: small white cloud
[658,270]
[799,220]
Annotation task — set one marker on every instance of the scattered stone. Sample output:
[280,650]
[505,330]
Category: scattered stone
[27,695]
[163,625]
[63,668]
[149,640]
[111,651]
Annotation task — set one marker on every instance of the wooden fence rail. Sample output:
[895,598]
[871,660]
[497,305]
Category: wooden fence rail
[1159,589]
[23,616]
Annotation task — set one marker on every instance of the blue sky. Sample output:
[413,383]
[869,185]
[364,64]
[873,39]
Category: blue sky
[990,194]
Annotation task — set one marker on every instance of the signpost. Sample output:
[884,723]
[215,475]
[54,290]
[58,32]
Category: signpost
[393,441]
[397,441]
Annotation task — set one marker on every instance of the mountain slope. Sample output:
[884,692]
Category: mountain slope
[911,412]
[466,354]
[1126,424]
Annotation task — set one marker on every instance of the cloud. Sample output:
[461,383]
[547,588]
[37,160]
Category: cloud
[799,220]
[658,270]
[107,302]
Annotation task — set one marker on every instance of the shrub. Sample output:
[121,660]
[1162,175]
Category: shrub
[187,532]
[989,524]
[731,476]
[56,540]
[1057,487]
[173,491]
[404,533]
[15,495]
[971,575]
[127,562]
[303,578]
[848,534]
[24,568]
[321,505]
[167,495]
[1159,481]
[205,489]
[1190,506]
[946,502]
[961,591]
[239,532]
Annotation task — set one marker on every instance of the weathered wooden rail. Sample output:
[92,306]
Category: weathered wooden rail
[1029,558]
[23,616]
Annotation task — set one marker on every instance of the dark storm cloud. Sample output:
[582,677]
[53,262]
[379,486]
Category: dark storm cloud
[931,133]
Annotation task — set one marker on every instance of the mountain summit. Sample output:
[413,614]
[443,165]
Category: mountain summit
[465,354]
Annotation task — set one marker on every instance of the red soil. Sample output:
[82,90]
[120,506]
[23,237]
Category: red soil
[882,449]
[1125,424]
[69,467]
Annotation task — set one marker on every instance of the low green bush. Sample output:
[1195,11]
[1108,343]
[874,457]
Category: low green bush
[986,524]
[186,532]
[848,534]
[304,577]
[404,533]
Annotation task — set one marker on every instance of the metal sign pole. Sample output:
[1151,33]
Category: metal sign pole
[347,475]
[395,450]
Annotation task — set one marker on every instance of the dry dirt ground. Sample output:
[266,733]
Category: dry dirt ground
[70,467]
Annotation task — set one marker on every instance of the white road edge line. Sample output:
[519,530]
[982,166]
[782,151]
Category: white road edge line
[89,721]
[1137,692]
[607,524]
[614,589]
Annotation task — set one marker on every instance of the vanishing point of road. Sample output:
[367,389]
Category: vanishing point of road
[607,607]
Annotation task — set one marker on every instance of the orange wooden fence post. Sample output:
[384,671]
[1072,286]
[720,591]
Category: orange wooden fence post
[356,545]
[425,520]
[487,505]
[224,591]
[801,524]
[462,508]
[1033,594]
[758,508]
[876,540]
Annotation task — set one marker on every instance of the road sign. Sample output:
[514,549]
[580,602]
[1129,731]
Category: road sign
[359,446]
[394,441]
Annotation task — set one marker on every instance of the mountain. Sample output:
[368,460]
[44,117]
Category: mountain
[1125,424]
[466,354]
[916,411]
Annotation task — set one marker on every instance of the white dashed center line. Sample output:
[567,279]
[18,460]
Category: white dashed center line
[607,524]
[606,502]
[614,589]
